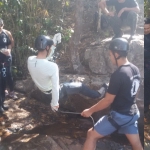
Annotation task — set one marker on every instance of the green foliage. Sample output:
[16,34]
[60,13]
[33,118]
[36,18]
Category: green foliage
[28,18]
[147,8]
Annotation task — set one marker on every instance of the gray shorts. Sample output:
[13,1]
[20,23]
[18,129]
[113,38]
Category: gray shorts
[104,127]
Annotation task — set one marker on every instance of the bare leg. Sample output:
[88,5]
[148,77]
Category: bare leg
[91,139]
[134,141]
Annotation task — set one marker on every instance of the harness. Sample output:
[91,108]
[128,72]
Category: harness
[115,124]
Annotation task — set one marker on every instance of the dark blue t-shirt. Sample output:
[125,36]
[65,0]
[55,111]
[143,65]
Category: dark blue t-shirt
[124,83]
[119,6]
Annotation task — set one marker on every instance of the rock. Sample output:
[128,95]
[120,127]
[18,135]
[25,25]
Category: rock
[34,142]
[97,62]
[25,86]
[136,55]
[97,57]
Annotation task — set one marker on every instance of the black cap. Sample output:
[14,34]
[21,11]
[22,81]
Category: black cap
[119,44]
[42,41]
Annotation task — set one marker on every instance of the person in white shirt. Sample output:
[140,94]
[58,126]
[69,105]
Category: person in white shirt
[45,75]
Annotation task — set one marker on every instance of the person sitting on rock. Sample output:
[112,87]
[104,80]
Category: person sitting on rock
[146,64]
[45,75]
[120,96]
[126,13]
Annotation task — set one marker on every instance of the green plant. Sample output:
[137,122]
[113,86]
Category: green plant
[147,8]
[28,18]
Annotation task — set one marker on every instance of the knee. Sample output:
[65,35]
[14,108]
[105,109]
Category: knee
[90,135]
[133,15]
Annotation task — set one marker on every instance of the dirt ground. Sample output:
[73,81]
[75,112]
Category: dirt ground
[31,125]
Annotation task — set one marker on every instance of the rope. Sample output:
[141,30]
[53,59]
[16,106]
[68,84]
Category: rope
[76,113]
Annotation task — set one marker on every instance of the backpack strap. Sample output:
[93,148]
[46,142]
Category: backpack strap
[8,34]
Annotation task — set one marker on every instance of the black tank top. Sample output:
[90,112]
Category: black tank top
[4,43]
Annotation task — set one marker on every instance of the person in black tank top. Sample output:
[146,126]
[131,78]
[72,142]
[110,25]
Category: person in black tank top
[6,43]
[120,96]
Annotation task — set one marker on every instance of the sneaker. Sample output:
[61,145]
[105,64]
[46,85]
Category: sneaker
[6,93]
[103,90]
[5,107]
[13,95]
[1,110]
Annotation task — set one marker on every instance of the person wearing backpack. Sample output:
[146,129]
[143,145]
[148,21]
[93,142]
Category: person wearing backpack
[6,44]
[120,97]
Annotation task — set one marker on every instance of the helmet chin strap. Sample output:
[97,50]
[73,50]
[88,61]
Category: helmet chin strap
[47,50]
[116,58]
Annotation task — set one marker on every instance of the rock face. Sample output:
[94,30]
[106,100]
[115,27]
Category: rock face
[97,58]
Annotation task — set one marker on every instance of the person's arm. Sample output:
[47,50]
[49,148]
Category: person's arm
[133,7]
[55,87]
[114,86]
[136,9]
[103,6]
[102,104]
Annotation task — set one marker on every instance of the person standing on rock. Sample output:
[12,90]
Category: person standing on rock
[6,44]
[126,13]
[120,97]
[45,75]
[146,64]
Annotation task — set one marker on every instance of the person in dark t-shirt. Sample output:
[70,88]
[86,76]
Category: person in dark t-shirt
[146,64]
[126,13]
[120,96]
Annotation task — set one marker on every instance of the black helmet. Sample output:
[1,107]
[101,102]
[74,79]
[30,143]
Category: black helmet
[119,44]
[42,41]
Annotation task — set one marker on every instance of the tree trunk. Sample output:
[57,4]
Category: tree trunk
[75,40]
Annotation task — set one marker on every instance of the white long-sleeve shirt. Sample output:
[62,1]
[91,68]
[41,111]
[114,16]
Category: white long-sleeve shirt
[45,75]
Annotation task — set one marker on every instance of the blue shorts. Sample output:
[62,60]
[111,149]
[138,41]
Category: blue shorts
[104,127]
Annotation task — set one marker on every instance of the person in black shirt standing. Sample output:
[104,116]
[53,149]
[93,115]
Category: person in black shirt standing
[123,87]
[126,12]
[147,64]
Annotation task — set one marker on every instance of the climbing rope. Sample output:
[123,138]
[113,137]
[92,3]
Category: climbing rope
[76,113]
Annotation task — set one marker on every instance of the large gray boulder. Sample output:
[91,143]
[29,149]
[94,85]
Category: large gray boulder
[97,57]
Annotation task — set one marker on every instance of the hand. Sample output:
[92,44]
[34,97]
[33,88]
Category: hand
[111,14]
[121,11]
[86,113]
[7,52]
[54,108]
